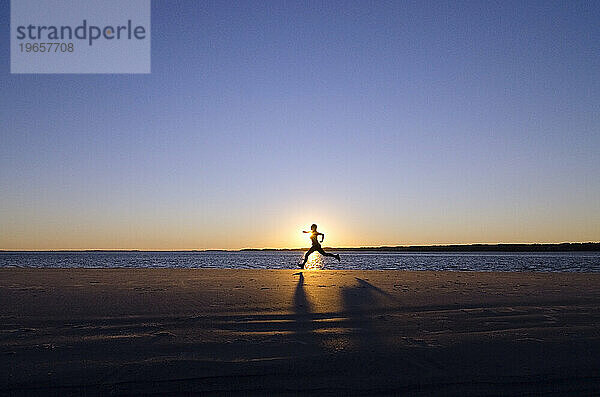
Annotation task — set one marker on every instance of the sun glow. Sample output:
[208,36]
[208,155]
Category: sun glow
[303,239]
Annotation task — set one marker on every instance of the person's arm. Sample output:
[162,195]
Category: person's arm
[304,231]
[322,236]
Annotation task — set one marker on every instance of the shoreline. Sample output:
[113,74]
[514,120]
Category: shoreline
[297,269]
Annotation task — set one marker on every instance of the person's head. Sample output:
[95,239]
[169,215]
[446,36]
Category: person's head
[313,227]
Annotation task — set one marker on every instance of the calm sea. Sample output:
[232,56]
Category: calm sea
[484,261]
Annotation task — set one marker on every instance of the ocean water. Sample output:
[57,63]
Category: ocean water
[453,261]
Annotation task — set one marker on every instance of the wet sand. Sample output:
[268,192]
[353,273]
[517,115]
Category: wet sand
[283,332]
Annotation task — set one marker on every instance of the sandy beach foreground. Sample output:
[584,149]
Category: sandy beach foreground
[278,332]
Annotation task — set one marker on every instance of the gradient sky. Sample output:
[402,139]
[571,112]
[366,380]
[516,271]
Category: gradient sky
[383,122]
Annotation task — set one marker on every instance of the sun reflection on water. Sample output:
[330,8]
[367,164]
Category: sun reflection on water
[315,262]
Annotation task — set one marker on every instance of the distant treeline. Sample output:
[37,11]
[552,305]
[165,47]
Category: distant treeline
[561,247]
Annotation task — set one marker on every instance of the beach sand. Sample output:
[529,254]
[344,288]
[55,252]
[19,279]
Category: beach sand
[279,332]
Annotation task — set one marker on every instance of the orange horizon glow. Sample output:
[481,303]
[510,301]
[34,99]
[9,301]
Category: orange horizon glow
[278,228]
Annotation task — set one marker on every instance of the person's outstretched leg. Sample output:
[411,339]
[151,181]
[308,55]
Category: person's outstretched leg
[310,251]
[336,256]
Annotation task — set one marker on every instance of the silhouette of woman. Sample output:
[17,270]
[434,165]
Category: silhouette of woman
[316,245]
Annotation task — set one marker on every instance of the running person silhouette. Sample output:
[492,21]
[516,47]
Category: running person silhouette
[316,245]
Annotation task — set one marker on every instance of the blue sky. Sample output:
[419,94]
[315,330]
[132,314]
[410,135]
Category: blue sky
[384,122]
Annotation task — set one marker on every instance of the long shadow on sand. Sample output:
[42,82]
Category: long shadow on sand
[303,326]
[302,306]
[354,327]
[346,348]
[358,303]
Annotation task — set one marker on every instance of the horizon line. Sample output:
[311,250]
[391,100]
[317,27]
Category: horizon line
[381,248]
